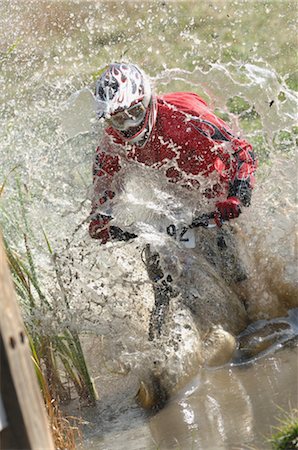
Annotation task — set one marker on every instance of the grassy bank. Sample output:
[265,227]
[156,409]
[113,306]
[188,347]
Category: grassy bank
[79,37]
[285,435]
[55,345]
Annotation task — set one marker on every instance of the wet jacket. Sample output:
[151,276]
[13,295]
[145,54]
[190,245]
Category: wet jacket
[188,142]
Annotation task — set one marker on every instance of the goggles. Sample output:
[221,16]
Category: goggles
[126,118]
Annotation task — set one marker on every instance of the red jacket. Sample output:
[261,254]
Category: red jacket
[187,140]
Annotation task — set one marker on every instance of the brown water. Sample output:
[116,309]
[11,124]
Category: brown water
[230,408]
[227,408]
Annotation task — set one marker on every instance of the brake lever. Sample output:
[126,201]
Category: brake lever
[204,221]
[201,221]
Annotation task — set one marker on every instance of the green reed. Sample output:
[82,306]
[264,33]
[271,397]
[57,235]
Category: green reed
[57,348]
[285,435]
[65,430]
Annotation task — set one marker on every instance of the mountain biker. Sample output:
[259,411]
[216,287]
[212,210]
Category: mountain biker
[175,133]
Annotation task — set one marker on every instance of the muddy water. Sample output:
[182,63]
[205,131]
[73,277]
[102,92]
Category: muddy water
[231,407]
[234,406]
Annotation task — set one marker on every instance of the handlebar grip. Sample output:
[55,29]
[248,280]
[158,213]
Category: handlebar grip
[201,221]
[204,220]
[120,235]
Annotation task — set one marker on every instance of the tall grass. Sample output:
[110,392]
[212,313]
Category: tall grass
[58,356]
[55,350]
[65,430]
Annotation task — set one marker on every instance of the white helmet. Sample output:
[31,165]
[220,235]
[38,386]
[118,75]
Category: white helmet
[124,98]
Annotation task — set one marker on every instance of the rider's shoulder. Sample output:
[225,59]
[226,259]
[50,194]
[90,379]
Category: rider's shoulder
[188,102]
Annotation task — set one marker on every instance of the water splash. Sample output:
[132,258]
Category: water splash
[50,51]
[57,156]
[266,337]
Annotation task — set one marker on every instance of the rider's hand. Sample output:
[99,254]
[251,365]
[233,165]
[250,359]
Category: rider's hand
[120,235]
[112,233]
[229,209]
[200,221]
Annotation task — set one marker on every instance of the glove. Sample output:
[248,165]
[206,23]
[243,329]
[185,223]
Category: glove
[229,209]
[201,221]
[120,235]
[112,233]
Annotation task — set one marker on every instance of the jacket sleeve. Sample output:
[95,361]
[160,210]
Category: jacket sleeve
[244,165]
[104,168]
[236,161]
[234,158]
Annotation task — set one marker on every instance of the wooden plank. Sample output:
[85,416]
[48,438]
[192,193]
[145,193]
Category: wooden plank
[20,367]
[14,435]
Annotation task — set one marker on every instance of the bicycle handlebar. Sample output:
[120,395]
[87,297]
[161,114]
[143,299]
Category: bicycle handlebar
[201,221]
